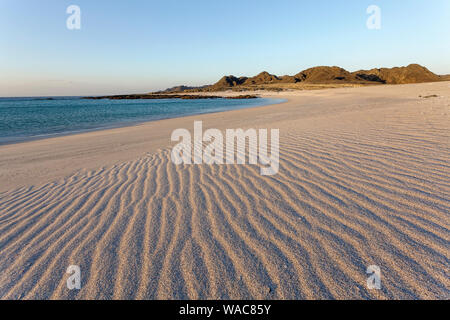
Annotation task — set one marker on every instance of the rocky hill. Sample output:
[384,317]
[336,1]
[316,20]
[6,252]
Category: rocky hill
[326,74]
[181,89]
[262,78]
[413,73]
[227,82]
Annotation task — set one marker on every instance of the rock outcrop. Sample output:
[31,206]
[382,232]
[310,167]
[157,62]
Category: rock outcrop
[413,73]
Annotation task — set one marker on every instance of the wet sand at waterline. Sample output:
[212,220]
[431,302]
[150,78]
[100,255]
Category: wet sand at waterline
[364,180]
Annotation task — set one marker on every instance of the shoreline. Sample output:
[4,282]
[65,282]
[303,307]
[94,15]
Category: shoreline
[99,148]
[73,152]
[90,150]
[125,124]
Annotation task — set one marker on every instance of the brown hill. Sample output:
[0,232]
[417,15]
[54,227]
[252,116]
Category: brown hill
[227,82]
[325,74]
[288,79]
[262,78]
[413,73]
[322,75]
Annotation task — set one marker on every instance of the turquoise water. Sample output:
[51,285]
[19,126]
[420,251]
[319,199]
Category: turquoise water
[24,119]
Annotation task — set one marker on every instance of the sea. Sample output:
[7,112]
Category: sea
[24,119]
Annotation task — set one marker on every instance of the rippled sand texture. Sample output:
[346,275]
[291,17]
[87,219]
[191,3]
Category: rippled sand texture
[361,183]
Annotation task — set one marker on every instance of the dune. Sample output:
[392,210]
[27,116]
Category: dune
[364,180]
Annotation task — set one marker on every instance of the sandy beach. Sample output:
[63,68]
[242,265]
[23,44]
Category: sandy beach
[364,180]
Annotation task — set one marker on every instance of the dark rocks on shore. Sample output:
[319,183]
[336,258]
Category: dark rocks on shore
[168,96]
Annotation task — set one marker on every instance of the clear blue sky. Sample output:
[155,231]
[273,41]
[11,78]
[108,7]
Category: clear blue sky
[139,46]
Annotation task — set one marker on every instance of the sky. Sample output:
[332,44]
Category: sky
[138,46]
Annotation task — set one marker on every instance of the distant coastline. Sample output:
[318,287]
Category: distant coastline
[315,78]
[168,96]
[321,77]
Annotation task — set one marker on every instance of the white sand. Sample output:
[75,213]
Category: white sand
[364,180]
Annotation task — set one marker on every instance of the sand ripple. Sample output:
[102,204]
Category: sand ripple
[367,190]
